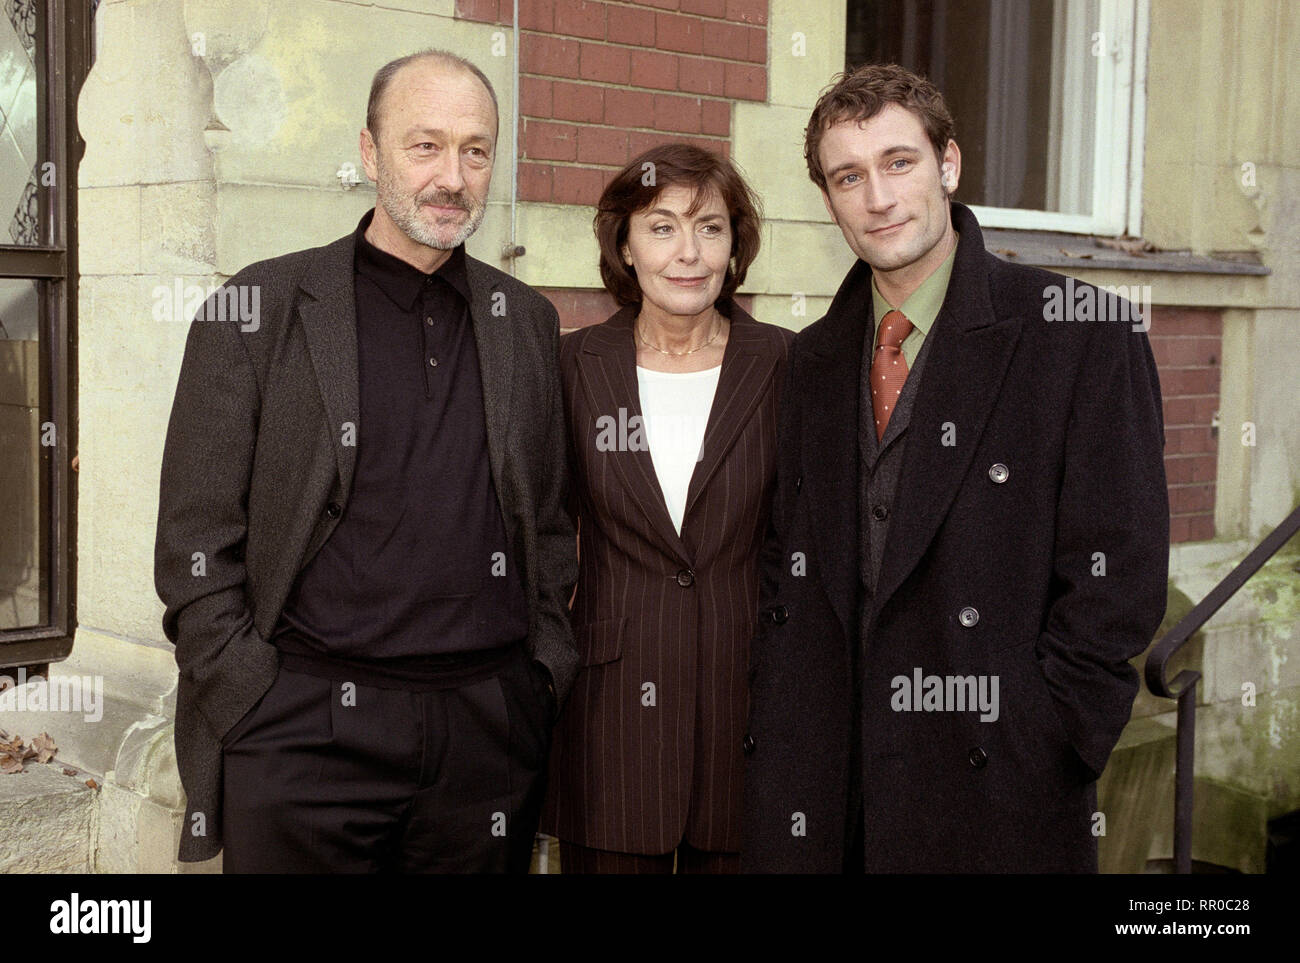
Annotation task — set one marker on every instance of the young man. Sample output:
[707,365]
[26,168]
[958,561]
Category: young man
[362,542]
[969,537]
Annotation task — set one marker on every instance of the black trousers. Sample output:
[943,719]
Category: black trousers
[325,776]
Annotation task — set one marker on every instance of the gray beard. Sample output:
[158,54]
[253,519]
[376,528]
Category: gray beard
[406,215]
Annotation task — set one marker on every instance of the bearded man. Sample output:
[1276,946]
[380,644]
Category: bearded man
[362,543]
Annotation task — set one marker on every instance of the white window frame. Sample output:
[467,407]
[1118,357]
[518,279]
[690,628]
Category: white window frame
[1120,98]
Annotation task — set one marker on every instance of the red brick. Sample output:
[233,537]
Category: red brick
[1186,499]
[1205,321]
[602,145]
[746,82]
[584,102]
[630,25]
[1179,411]
[747,11]
[1189,381]
[680,114]
[758,45]
[580,307]
[699,76]
[1180,529]
[1205,467]
[640,141]
[535,182]
[577,185]
[661,4]
[1178,469]
[1202,527]
[650,68]
[715,117]
[629,108]
[535,97]
[729,40]
[683,34]
[1188,441]
[1186,352]
[705,8]
[580,18]
[545,141]
[609,65]
[533,15]
[719,147]
[482,10]
[551,56]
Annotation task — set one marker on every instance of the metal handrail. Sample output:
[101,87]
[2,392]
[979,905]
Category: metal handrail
[1183,685]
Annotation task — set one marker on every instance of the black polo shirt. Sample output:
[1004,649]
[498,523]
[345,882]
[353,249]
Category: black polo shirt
[419,566]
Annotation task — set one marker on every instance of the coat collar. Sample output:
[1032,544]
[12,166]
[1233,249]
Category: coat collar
[329,321]
[607,367]
[971,351]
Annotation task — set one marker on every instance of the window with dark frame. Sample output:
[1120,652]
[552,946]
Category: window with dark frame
[45,53]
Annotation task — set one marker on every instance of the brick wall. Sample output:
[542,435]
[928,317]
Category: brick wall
[600,82]
[1187,344]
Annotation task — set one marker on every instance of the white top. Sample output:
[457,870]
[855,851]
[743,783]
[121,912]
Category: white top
[675,411]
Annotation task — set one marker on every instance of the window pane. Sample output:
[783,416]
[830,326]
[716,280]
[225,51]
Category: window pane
[1020,79]
[22,128]
[24,461]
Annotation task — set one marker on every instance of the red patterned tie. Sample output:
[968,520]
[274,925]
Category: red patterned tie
[888,368]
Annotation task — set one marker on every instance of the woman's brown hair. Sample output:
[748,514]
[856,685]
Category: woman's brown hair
[637,186]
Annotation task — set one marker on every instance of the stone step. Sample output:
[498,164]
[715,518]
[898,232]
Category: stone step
[47,820]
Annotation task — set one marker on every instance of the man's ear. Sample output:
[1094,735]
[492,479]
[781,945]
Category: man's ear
[950,167]
[366,143]
[826,199]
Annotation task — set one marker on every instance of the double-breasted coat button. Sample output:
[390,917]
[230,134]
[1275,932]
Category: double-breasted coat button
[999,473]
[880,513]
[747,744]
[968,616]
[686,578]
[978,757]
[798,483]
[779,614]
[333,509]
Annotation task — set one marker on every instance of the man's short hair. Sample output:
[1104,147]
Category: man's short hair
[860,94]
[384,76]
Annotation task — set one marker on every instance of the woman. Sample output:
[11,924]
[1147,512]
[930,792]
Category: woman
[671,407]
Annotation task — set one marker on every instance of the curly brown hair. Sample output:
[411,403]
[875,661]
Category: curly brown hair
[860,94]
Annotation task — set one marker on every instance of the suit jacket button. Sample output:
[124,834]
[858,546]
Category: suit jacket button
[968,616]
[747,744]
[780,614]
[333,509]
[999,473]
[686,578]
[880,513]
[978,757]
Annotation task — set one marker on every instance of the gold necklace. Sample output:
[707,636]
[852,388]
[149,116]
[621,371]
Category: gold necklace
[677,354]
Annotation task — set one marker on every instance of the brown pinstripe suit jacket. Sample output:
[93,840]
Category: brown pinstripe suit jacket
[647,751]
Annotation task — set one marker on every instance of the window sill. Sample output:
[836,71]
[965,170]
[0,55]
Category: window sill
[1048,249]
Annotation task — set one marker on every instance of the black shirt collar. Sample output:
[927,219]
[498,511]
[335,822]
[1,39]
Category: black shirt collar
[402,282]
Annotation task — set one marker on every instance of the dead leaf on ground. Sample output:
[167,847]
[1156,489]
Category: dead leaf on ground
[69,772]
[44,747]
[92,784]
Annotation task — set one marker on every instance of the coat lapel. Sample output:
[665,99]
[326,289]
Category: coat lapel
[747,365]
[607,367]
[960,383]
[493,336]
[830,446]
[329,323]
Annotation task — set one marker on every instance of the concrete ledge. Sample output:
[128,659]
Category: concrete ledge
[48,820]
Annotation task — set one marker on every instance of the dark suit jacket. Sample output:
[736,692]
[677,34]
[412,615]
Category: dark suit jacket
[657,609]
[1072,410]
[255,476]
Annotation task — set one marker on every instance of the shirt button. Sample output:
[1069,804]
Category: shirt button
[978,757]
[433,362]
[968,616]
[780,614]
[333,509]
[999,473]
[686,578]
[880,513]
[428,320]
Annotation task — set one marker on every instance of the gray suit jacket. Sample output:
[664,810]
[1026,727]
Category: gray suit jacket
[258,466]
